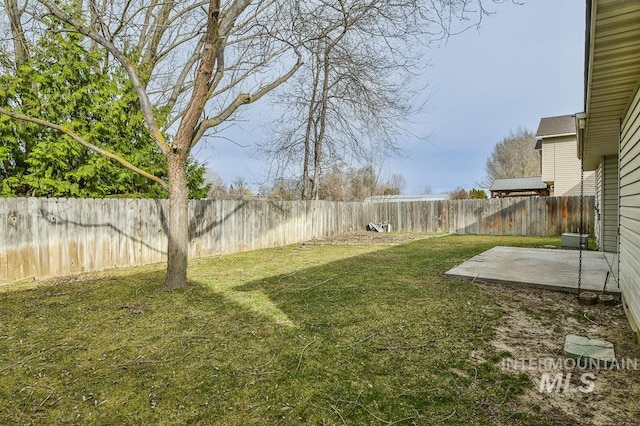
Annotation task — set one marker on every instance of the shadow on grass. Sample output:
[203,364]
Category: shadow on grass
[379,337]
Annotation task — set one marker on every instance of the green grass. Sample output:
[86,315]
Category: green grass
[327,334]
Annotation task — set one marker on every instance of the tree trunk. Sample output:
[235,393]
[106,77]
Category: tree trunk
[178,252]
[20,47]
[323,122]
[178,229]
[307,135]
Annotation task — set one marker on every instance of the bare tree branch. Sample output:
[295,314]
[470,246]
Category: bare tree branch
[84,142]
[139,87]
[243,99]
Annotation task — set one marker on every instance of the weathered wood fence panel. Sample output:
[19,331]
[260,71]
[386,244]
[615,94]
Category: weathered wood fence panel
[46,237]
[536,216]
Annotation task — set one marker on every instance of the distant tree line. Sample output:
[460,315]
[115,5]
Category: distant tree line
[462,194]
[338,184]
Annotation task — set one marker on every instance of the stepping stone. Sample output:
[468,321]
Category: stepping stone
[589,352]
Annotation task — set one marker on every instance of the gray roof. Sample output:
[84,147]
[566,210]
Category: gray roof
[538,143]
[424,197]
[556,126]
[518,184]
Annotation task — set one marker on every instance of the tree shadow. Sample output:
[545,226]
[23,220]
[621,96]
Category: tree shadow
[350,290]
[54,237]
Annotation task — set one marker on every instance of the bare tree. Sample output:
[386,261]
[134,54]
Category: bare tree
[396,184]
[515,156]
[356,184]
[353,97]
[335,184]
[282,189]
[239,189]
[217,190]
[192,65]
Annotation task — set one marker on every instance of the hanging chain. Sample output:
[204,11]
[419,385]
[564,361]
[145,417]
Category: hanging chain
[581,210]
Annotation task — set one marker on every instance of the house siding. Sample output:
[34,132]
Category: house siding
[610,204]
[561,166]
[548,161]
[630,210]
[597,231]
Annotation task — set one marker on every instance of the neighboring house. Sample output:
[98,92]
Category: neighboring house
[610,129]
[519,187]
[556,140]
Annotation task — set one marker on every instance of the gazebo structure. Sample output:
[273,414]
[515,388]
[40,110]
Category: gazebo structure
[519,187]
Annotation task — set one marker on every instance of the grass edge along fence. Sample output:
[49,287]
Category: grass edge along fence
[48,237]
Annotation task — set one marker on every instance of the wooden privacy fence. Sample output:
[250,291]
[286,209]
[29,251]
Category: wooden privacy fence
[46,237]
[534,216]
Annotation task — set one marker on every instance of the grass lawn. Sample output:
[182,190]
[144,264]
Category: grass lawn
[322,334]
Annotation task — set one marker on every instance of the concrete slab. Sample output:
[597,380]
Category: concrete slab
[589,352]
[553,269]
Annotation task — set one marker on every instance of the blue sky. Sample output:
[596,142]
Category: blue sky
[525,62]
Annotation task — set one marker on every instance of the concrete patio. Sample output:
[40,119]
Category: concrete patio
[551,269]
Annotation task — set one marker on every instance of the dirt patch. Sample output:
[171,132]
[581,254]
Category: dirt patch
[531,336]
[371,237]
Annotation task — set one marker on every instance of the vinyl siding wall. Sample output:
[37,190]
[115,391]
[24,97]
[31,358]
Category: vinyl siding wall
[630,211]
[548,161]
[597,226]
[610,204]
[560,165]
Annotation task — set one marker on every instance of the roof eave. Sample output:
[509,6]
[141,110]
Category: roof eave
[559,135]
[612,74]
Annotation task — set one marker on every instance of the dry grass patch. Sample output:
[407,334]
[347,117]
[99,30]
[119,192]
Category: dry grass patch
[534,328]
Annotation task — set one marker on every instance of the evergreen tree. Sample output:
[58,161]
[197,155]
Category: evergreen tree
[65,83]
